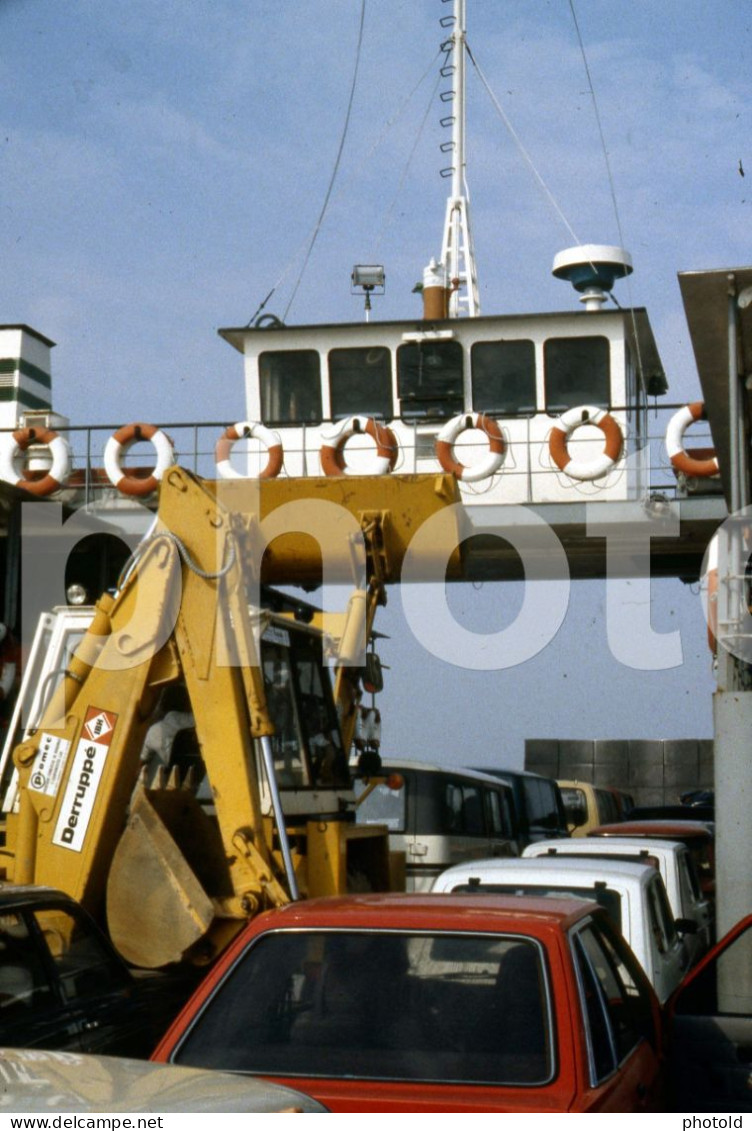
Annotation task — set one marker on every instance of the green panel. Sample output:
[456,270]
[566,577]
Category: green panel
[24,398]
[12,364]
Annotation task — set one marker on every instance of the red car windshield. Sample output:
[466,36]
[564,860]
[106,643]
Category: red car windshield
[380,1005]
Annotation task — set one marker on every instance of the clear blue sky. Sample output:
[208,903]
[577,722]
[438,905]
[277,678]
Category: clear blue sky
[163,165]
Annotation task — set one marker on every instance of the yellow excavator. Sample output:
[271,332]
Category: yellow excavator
[189,766]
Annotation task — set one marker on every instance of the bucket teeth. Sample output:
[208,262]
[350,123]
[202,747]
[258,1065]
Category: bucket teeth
[173,781]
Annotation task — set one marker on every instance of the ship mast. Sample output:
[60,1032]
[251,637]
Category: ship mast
[457,254]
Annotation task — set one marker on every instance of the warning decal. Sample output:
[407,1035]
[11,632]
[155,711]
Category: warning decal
[49,763]
[84,779]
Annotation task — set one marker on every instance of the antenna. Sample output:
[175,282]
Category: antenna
[457,254]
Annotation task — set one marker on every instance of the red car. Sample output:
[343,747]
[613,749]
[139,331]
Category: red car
[432,1003]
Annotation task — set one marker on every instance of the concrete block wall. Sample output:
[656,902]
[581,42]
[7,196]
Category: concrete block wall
[654,771]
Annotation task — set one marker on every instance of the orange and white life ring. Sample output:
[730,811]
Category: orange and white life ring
[119,443]
[585,469]
[709,582]
[448,435]
[16,443]
[248,429]
[694,467]
[332,450]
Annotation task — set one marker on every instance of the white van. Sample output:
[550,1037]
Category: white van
[673,860]
[633,894]
[438,816]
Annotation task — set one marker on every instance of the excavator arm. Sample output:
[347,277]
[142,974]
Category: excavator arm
[174,857]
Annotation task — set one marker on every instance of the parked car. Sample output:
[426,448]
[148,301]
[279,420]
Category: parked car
[587,805]
[697,836]
[432,1003]
[537,803]
[672,859]
[63,986]
[633,895]
[437,816]
[36,1081]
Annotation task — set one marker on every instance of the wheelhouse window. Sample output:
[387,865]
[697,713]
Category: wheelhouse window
[380,1005]
[290,386]
[503,377]
[577,372]
[429,379]
[360,382]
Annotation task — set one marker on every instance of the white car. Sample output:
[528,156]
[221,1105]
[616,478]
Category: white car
[672,859]
[633,894]
[34,1080]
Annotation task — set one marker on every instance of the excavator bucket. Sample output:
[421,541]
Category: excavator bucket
[158,908]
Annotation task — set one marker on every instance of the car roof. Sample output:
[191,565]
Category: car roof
[426,911]
[680,829]
[36,1080]
[498,771]
[628,845]
[399,764]
[540,869]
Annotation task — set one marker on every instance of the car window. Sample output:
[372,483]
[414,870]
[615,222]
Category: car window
[84,966]
[606,897]
[615,1004]
[381,1005]
[662,922]
[24,985]
[690,883]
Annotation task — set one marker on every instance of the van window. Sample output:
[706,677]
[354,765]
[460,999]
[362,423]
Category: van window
[429,379]
[463,810]
[577,372]
[499,819]
[608,809]
[290,387]
[542,803]
[360,382]
[503,377]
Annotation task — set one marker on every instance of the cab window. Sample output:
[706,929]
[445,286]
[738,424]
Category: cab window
[429,379]
[576,372]
[360,381]
[503,377]
[290,386]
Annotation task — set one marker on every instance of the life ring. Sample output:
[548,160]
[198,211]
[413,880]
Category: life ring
[589,469]
[680,460]
[332,450]
[264,435]
[447,437]
[18,442]
[117,446]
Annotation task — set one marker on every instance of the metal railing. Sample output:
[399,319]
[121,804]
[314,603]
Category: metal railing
[194,445]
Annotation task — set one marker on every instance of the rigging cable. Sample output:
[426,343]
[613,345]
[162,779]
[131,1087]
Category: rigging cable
[612,189]
[398,191]
[524,153]
[325,205]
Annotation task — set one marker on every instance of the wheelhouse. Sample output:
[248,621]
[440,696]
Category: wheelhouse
[522,373]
